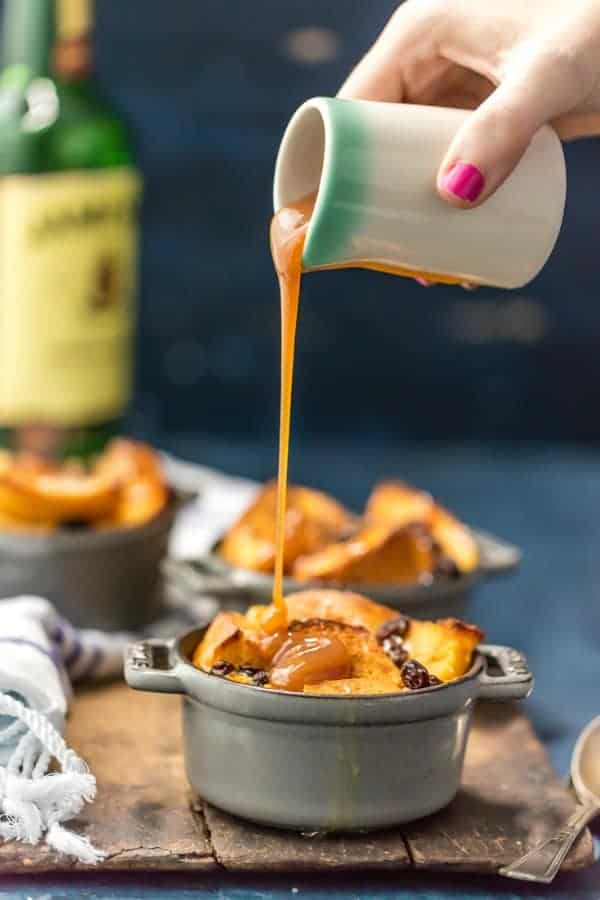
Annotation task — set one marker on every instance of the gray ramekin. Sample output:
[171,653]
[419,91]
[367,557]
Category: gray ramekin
[326,763]
[437,599]
[97,579]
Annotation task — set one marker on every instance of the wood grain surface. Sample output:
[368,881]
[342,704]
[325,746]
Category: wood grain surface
[145,819]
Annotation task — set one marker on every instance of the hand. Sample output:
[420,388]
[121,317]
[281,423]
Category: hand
[518,63]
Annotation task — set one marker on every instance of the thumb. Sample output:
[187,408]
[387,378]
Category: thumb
[495,136]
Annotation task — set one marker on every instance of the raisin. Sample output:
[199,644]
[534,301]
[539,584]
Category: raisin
[250,671]
[75,525]
[258,676]
[393,646]
[434,681]
[445,567]
[414,675]
[222,668]
[397,626]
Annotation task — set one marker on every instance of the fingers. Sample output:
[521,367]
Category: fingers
[424,282]
[379,75]
[493,139]
[543,82]
[376,77]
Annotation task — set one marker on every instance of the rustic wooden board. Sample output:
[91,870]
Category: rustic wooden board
[241,847]
[510,800]
[144,818]
[141,817]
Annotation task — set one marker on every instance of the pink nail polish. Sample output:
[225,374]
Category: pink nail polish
[423,282]
[464,181]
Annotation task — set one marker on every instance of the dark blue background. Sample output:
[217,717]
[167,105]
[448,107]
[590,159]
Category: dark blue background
[208,87]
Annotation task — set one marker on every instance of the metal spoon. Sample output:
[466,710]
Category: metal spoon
[543,862]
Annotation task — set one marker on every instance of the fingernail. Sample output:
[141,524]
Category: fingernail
[464,181]
[468,286]
[423,282]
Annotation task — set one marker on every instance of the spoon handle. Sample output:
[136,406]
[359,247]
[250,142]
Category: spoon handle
[543,862]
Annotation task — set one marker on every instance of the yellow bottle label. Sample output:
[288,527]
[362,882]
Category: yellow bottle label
[68,260]
[74,18]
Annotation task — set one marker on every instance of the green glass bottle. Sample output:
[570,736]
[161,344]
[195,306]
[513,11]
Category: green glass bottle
[69,196]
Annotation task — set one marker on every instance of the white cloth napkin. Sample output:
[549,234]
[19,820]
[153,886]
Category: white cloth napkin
[221,499]
[37,650]
[42,656]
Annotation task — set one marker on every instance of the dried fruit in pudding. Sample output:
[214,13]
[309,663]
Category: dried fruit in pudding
[337,643]
[312,520]
[414,676]
[396,627]
[222,668]
[395,648]
[391,638]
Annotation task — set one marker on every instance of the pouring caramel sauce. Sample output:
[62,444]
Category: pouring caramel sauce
[288,233]
[307,660]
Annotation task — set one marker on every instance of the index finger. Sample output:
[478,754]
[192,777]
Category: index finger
[380,73]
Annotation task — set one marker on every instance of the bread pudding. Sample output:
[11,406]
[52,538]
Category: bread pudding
[403,537]
[125,486]
[336,642]
[312,519]
[376,554]
[395,504]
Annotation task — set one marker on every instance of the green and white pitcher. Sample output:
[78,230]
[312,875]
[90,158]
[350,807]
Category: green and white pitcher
[374,168]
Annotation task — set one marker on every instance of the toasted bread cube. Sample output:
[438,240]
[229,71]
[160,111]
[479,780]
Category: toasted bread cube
[354,686]
[394,503]
[376,555]
[230,639]
[312,520]
[455,539]
[338,606]
[445,647]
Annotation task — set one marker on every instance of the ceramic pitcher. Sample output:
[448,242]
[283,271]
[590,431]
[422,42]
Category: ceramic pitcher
[374,167]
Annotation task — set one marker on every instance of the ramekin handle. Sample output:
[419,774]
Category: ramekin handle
[149,667]
[496,557]
[512,680]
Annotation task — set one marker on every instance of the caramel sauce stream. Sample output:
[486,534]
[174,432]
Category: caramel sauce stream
[288,233]
[289,227]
